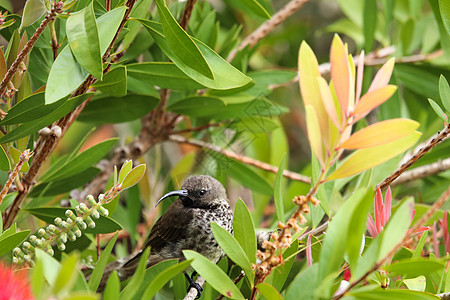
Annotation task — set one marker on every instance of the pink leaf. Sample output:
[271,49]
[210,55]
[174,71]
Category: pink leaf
[383,75]
[379,216]
[371,227]
[373,99]
[387,205]
[340,72]
[435,241]
[308,252]
[445,233]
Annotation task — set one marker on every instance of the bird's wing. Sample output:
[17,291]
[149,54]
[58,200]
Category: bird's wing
[171,227]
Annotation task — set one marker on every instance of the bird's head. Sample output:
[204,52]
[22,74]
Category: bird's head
[201,191]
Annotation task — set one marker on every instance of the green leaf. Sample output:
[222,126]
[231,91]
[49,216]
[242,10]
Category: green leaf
[83,36]
[213,275]
[334,245]
[126,168]
[150,275]
[50,265]
[380,294]
[130,290]
[97,273]
[197,106]
[278,190]
[66,275]
[232,249]
[225,75]
[112,288]
[248,178]
[82,161]
[118,110]
[32,12]
[244,230]
[253,6]
[9,241]
[181,44]
[370,23]
[30,108]
[411,268]
[114,83]
[304,285]
[64,185]
[48,214]
[444,92]
[9,198]
[444,8]
[438,110]
[162,278]
[66,74]
[5,165]
[269,292]
[15,157]
[140,11]
[163,74]
[133,177]
[418,251]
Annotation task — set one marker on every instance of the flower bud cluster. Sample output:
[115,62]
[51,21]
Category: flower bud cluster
[62,231]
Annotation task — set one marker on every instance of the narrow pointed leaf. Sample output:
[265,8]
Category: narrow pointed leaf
[163,277]
[82,33]
[244,230]
[9,242]
[112,288]
[373,99]
[340,72]
[96,276]
[225,75]
[114,83]
[370,23]
[256,8]
[383,75]
[232,249]
[125,169]
[444,8]
[213,275]
[327,100]
[132,287]
[5,165]
[269,292]
[367,158]
[133,176]
[313,126]
[438,110]
[278,190]
[308,68]
[181,43]
[444,92]
[380,133]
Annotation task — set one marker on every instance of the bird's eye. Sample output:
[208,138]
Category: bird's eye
[202,192]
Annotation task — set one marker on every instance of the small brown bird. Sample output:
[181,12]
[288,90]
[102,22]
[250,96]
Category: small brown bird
[186,225]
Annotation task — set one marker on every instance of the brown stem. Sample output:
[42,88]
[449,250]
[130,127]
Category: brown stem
[245,159]
[414,158]
[423,171]
[46,144]
[268,26]
[199,128]
[54,39]
[108,5]
[187,12]
[425,218]
[24,157]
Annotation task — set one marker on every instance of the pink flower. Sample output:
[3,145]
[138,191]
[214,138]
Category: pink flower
[13,286]
[382,214]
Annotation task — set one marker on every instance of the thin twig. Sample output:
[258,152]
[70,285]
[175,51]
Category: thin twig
[438,138]
[268,26]
[423,171]
[245,159]
[437,205]
[187,12]
[24,157]
[199,128]
[192,294]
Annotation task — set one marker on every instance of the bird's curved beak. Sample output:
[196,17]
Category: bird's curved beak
[183,193]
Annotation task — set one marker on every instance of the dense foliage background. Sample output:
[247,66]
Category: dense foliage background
[212,87]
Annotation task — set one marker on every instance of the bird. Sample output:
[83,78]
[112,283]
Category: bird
[185,225]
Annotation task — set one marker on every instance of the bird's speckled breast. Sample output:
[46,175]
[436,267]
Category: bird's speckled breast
[203,241]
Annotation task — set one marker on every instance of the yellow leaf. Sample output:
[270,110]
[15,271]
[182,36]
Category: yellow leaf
[372,99]
[327,100]
[308,68]
[364,159]
[383,75]
[380,133]
[313,127]
[340,72]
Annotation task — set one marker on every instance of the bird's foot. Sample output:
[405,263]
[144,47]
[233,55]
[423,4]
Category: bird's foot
[195,285]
